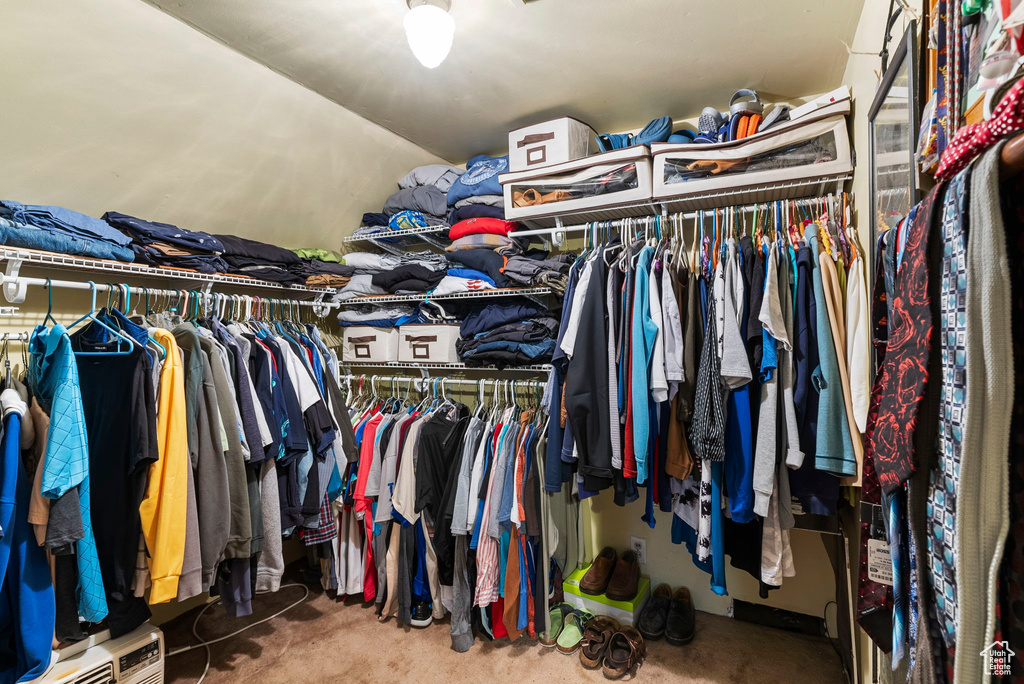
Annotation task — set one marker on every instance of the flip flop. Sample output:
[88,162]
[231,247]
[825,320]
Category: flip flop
[683,137]
[526,198]
[753,123]
[572,631]
[557,617]
[716,166]
[776,116]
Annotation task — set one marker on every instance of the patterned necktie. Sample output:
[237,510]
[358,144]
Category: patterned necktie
[899,592]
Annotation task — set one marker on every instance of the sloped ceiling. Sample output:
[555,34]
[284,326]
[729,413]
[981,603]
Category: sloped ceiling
[613,63]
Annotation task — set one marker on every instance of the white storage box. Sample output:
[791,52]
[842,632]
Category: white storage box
[599,181]
[373,345]
[816,146]
[549,142]
[428,343]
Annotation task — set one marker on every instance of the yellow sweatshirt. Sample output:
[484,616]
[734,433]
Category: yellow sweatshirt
[164,508]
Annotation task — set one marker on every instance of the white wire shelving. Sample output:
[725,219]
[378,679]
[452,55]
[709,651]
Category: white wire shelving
[478,294]
[754,194]
[16,258]
[397,241]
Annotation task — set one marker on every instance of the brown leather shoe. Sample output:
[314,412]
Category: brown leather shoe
[622,586]
[596,579]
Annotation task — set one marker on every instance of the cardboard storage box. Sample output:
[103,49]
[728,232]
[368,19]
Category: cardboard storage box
[373,345]
[428,343]
[550,142]
[599,181]
[626,612]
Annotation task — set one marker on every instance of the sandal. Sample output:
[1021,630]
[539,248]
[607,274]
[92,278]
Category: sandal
[556,196]
[596,638]
[717,166]
[557,617]
[626,650]
[526,198]
[572,631]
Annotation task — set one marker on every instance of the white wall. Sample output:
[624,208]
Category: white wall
[113,105]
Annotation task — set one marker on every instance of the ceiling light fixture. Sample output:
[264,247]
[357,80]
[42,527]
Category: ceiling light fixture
[430,30]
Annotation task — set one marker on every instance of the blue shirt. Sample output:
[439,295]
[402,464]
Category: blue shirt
[644,333]
[53,376]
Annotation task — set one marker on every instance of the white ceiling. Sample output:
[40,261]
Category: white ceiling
[613,63]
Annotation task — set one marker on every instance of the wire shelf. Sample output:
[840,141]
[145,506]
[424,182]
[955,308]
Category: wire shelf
[498,292]
[767,192]
[53,259]
[389,234]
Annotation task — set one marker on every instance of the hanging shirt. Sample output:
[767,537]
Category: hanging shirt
[644,333]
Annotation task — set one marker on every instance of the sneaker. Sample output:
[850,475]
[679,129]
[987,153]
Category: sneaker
[421,615]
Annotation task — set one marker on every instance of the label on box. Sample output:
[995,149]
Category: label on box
[879,562]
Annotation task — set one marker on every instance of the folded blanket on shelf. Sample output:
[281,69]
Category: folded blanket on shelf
[470,274]
[369,262]
[361,285]
[63,220]
[485,260]
[375,219]
[243,247]
[440,176]
[409,278]
[483,225]
[482,200]
[328,255]
[484,317]
[380,317]
[469,211]
[499,243]
[24,236]
[481,178]
[426,199]
[163,254]
[432,260]
[147,232]
[453,285]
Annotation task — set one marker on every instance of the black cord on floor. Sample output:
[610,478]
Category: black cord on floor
[824,619]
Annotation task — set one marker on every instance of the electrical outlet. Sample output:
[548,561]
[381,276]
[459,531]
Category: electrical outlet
[639,546]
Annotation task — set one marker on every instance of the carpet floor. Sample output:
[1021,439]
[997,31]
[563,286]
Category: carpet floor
[325,640]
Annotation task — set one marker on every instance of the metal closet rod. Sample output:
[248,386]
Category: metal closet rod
[16,281]
[483,382]
[618,223]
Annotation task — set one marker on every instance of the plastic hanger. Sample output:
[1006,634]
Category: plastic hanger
[117,333]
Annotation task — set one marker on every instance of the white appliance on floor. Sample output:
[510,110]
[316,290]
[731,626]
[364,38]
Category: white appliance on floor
[135,658]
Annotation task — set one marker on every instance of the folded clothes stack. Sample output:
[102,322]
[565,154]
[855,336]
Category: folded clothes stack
[522,271]
[164,244]
[422,191]
[369,263]
[408,279]
[516,332]
[56,229]
[260,260]
[321,268]
[477,193]
[395,315]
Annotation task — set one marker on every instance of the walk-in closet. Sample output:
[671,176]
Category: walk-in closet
[438,341]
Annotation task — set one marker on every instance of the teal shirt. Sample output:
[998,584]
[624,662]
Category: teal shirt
[53,376]
[644,334]
[834,453]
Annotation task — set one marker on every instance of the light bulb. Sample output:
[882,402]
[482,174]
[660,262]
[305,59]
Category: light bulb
[430,31]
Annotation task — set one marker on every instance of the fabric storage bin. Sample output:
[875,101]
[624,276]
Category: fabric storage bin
[599,181]
[549,142]
[816,146]
[364,343]
[428,343]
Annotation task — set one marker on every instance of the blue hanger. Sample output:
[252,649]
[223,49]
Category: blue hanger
[122,338]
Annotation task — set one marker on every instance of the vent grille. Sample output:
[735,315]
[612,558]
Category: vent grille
[155,678]
[104,674]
